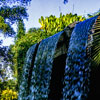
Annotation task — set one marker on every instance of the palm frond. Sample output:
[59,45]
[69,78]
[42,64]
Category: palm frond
[95,54]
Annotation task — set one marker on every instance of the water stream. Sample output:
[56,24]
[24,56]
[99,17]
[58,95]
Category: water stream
[28,65]
[41,74]
[59,67]
[77,71]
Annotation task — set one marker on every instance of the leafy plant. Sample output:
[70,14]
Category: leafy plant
[8,94]
[95,55]
[52,24]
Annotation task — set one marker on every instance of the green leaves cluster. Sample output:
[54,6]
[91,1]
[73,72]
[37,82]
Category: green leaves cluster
[52,24]
[9,16]
[3,25]
[8,90]
[8,94]
[5,28]
[13,14]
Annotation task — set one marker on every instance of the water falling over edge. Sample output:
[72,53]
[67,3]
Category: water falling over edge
[77,69]
[28,65]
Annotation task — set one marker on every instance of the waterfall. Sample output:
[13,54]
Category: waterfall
[25,80]
[41,74]
[77,71]
[58,68]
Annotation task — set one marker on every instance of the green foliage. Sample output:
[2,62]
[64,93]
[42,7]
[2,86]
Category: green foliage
[95,55]
[52,24]
[13,14]
[10,15]
[20,29]
[11,11]
[20,34]
[11,84]
[5,28]
[3,76]
[3,25]
[34,30]
[21,46]
[8,90]
[8,94]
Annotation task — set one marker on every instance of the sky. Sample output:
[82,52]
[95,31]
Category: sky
[44,8]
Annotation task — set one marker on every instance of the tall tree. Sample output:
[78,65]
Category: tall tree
[11,11]
[10,15]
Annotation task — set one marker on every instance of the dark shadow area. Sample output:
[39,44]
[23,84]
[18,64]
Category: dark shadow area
[95,84]
[57,77]
[58,69]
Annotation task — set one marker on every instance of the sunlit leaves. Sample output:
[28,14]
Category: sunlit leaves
[54,24]
[9,94]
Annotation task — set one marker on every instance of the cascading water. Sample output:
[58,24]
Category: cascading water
[25,81]
[38,71]
[77,69]
[41,74]
[49,63]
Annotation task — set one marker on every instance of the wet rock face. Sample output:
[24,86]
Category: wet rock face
[68,30]
[58,67]
[57,78]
